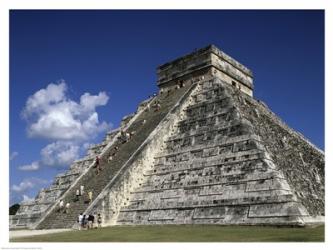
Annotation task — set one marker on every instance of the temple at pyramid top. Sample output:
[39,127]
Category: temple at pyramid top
[206,60]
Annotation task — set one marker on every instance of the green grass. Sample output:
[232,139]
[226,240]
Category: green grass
[188,233]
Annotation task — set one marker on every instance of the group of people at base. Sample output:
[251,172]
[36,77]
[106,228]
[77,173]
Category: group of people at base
[88,221]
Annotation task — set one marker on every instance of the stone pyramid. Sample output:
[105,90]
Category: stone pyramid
[204,151]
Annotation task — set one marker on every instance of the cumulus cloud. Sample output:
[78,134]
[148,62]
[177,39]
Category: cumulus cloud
[44,98]
[68,125]
[89,102]
[23,186]
[57,154]
[13,155]
[60,154]
[26,188]
[51,114]
[30,167]
[26,198]
[86,146]
[27,184]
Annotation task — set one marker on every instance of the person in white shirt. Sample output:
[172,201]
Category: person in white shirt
[67,207]
[80,220]
[90,196]
[61,206]
[77,195]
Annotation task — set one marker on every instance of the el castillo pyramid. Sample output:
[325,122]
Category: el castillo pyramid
[202,151]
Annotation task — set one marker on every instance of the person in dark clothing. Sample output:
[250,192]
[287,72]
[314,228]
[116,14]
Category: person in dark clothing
[99,220]
[84,220]
[77,194]
[97,161]
[91,220]
[98,164]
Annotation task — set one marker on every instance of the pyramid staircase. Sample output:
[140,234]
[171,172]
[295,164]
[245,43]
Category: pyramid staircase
[144,124]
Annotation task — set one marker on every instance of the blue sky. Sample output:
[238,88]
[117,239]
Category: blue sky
[108,59]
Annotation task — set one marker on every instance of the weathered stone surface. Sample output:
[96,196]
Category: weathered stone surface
[209,58]
[210,154]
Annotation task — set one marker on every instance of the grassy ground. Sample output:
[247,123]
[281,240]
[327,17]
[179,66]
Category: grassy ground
[190,233]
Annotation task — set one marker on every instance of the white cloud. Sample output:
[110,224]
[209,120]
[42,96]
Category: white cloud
[26,198]
[56,154]
[27,184]
[30,167]
[22,191]
[23,186]
[86,145]
[60,154]
[45,97]
[51,114]
[13,155]
[90,102]
[69,126]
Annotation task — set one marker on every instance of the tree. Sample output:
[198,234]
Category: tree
[13,209]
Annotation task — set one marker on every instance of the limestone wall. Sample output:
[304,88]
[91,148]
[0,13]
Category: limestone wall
[231,71]
[129,178]
[302,164]
[210,58]
[214,168]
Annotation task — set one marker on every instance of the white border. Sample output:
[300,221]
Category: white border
[170,4]
[6,5]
